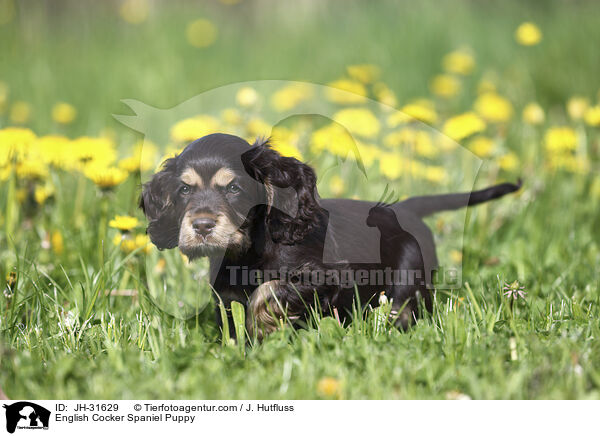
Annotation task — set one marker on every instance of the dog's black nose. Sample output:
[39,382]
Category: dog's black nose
[203,226]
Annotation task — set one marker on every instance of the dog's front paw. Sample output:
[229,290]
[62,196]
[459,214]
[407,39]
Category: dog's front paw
[267,310]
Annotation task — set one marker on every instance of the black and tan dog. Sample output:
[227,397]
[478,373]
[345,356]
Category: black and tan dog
[257,214]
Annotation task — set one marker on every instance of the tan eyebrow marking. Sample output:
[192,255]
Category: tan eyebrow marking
[222,177]
[191,177]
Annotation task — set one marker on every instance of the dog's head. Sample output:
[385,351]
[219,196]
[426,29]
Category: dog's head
[219,189]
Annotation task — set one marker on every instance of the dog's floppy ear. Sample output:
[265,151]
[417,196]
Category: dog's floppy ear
[290,187]
[157,203]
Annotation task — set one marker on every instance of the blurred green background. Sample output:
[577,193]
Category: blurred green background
[88,54]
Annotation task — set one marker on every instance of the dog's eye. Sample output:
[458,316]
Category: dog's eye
[185,189]
[233,188]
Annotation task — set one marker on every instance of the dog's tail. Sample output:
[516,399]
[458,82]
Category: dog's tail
[430,204]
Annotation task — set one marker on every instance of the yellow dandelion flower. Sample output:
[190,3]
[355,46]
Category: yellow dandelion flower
[422,110]
[345,91]
[592,116]
[445,86]
[124,223]
[328,387]
[291,96]
[231,116]
[332,138]
[246,96]
[127,245]
[257,127]
[56,150]
[463,125]
[399,137]
[367,153]
[533,114]
[130,164]
[418,141]
[576,107]
[358,121]
[5,156]
[397,118]
[337,185]
[105,177]
[459,62]
[415,168]
[435,174]
[143,242]
[117,239]
[20,112]
[98,151]
[4,175]
[364,73]
[568,162]
[445,143]
[32,169]
[509,161]
[528,34]
[64,113]
[384,94]
[15,143]
[482,146]
[42,193]
[424,145]
[390,165]
[285,142]
[288,150]
[57,242]
[191,129]
[560,139]
[493,107]
[134,11]
[143,158]
[201,33]
[335,139]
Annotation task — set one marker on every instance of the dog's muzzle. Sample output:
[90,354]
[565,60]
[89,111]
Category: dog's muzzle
[205,234]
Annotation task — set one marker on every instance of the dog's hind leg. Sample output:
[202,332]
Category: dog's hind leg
[410,283]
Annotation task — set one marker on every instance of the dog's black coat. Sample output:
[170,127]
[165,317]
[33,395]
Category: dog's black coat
[246,190]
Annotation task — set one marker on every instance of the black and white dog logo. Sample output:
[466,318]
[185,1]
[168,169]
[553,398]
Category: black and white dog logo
[26,415]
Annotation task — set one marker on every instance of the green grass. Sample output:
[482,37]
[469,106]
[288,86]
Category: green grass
[62,336]
[128,350]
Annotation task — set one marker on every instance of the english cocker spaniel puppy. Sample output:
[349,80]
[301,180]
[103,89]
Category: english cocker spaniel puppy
[279,249]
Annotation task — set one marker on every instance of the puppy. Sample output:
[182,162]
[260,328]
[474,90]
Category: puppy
[282,251]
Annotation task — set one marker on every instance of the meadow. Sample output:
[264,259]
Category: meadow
[435,96]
